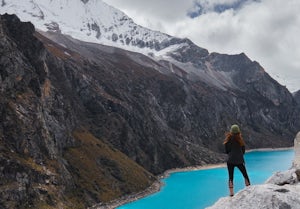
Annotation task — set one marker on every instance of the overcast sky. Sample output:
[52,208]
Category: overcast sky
[267,31]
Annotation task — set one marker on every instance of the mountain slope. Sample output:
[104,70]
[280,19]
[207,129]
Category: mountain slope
[297,96]
[255,99]
[47,159]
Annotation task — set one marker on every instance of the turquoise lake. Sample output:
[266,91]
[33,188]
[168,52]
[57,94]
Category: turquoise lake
[201,188]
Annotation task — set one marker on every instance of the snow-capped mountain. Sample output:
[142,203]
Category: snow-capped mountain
[88,20]
[95,21]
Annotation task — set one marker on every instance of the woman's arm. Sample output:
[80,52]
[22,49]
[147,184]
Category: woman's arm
[243,149]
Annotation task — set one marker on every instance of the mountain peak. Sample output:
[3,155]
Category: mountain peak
[87,20]
[97,22]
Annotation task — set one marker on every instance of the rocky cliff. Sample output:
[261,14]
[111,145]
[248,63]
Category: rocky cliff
[83,123]
[194,115]
[281,191]
[297,96]
[48,158]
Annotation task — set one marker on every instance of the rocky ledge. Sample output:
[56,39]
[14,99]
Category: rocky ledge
[281,191]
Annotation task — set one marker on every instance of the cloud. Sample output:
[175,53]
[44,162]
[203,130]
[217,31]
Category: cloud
[154,10]
[204,6]
[266,30]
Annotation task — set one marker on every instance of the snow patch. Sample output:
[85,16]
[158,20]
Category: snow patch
[66,53]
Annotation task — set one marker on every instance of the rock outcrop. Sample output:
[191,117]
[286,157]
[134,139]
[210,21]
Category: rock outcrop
[281,191]
[297,97]
[296,163]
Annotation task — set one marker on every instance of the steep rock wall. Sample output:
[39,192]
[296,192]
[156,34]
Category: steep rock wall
[47,159]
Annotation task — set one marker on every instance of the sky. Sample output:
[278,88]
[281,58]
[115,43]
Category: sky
[266,30]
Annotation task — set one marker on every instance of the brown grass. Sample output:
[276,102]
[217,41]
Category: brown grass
[46,88]
[102,172]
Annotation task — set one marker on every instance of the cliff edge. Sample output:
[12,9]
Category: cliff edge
[296,162]
[280,191]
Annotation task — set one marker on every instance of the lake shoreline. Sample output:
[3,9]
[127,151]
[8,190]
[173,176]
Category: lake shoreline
[270,149]
[156,186]
[219,165]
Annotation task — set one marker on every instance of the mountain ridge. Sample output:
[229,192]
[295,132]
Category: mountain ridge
[97,22]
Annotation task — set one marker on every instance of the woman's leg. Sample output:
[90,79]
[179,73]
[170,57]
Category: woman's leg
[230,168]
[243,170]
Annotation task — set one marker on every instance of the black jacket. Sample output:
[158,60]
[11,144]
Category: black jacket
[235,152]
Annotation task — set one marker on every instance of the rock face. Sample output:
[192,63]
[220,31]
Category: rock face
[48,160]
[195,115]
[282,190]
[90,123]
[297,97]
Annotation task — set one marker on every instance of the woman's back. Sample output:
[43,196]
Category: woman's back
[235,151]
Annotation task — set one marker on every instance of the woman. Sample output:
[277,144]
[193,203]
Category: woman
[235,148]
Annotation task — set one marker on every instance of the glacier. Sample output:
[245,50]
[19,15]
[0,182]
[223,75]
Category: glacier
[90,21]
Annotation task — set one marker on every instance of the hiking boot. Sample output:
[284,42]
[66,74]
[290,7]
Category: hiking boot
[247,183]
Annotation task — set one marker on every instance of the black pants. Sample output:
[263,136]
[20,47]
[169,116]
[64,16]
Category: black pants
[241,167]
